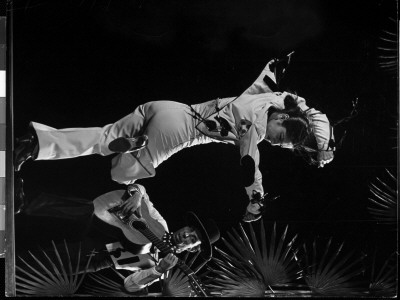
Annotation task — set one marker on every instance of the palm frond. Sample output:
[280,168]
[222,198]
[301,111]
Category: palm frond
[331,273]
[176,284]
[239,287]
[54,280]
[105,286]
[252,265]
[230,281]
[383,200]
[384,284]
[387,49]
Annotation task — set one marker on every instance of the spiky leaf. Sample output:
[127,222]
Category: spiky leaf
[384,283]
[387,49]
[105,286]
[176,284]
[383,199]
[331,273]
[55,279]
[252,262]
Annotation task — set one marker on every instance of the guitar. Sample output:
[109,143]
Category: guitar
[197,286]
[140,230]
[107,208]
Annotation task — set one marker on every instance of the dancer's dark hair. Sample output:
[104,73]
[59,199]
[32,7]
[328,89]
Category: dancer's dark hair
[298,129]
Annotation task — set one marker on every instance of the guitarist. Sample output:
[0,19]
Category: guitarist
[196,236]
[193,237]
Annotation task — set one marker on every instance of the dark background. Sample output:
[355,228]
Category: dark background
[89,63]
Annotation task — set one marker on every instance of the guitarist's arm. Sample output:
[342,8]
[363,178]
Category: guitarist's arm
[139,189]
[154,212]
[142,278]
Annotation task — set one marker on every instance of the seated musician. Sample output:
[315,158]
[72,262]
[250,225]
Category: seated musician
[193,237]
[121,252]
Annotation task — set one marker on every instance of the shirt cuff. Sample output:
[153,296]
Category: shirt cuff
[138,188]
[155,272]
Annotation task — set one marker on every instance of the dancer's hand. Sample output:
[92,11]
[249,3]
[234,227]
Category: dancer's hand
[271,65]
[324,157]
[254,208]
[253,212]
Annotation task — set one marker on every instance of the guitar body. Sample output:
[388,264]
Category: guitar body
[110,200]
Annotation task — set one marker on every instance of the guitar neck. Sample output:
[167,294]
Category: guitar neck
[165,249]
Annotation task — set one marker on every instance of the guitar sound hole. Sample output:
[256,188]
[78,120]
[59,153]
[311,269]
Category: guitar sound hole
[138,224]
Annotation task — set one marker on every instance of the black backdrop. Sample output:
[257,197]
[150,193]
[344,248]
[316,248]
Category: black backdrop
[89,63]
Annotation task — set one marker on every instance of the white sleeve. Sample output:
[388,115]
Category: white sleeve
[319,123]
[259,86]
[154,212]
[140,279]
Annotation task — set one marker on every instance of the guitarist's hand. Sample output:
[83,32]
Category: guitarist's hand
[132,204]
[167,263]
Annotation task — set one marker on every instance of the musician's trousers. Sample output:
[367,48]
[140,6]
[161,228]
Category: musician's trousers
[169,126]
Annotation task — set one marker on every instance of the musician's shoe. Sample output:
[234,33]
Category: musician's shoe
[124,145]
[249,217]
[19,197]
[27,148]
[26,138]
